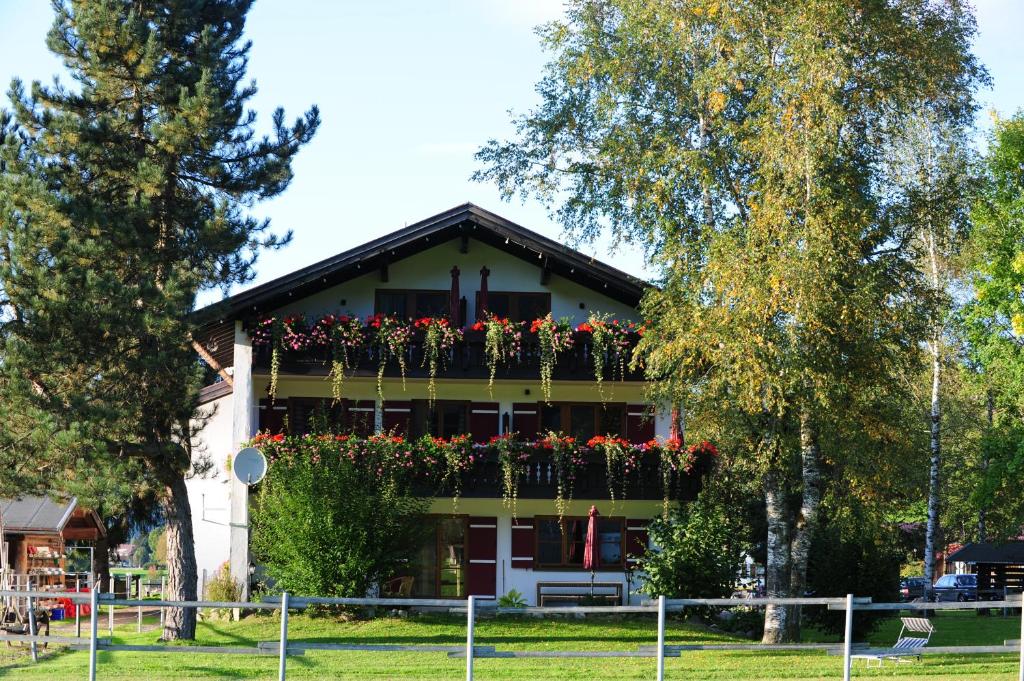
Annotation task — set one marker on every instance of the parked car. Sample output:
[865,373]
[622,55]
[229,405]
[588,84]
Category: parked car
[912,589]
[955,588]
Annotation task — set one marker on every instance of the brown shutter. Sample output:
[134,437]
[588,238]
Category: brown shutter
[272,416]
[481,579]
[397,414]
[636,538]
[525,419]
[639,423]
[361,417]
[483,420]
[522,542]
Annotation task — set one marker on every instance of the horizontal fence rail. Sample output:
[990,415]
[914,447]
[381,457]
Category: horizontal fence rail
[471,607]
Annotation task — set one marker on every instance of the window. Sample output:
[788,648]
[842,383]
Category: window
[561,544]
[442,418]
[439,568]
[518,307]
[411,304]
[583,420]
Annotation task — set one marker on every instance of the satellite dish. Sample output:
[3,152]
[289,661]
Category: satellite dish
[249,465]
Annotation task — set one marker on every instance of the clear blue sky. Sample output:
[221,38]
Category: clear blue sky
[408,90]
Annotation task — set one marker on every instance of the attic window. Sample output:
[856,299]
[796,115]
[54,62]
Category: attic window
[412,303]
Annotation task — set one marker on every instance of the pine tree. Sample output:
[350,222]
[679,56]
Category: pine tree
[121,198]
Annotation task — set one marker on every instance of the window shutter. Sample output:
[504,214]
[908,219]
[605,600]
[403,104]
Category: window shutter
[636,538]
[639,423]
[522,543]
[481,579]
[525,419]
[397,414]
[483,420]
[272,415]
[361,417]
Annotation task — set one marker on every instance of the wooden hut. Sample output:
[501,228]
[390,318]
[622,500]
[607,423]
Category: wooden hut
[1000,567]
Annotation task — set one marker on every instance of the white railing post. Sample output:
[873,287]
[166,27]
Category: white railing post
[110,608]
[163,597]
[661,638]
[1020,673]
[78,609]
[282,661]
[848,640]
[470,619]
[138,593]
[32,629]
[94,614]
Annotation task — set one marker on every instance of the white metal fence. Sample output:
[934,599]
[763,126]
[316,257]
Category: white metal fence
[661,606]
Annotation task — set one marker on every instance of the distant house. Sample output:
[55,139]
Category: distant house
[1000,567]
[508,271]
[37,531]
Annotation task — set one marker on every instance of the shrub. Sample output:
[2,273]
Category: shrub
[325,525]
[221,587]
[698,554]
[512,599]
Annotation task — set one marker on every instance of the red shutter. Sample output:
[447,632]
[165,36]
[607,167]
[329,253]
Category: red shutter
[636,538]
[522,543]
[397,415]
[361,415]
[481,579]
[272,416]
[525,419]
[639,423]
[483,420]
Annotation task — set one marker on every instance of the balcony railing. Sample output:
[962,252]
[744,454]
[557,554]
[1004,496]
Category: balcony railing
[467,359]
[590,481]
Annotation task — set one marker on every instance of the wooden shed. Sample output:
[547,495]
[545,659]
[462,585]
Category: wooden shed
[1000,567]
[36,531]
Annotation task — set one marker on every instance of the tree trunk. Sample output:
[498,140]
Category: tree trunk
[777,568]
[101,561]
[933,476]
[982,508]
[180,623]
[807,521]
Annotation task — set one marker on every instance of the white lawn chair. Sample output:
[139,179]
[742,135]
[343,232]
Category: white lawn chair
[905,646]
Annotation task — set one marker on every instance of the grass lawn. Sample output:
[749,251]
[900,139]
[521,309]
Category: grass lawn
[512,634]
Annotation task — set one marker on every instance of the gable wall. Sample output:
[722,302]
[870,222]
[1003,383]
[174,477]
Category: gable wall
[431,269]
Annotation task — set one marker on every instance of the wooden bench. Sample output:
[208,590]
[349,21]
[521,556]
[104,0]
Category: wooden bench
[575,592]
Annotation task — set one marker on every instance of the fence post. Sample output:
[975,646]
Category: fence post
[138,592]
[661,638]
[78,609]
[1020,673]
[283,653]
[94,607]
[163,596]
[32,629]
[470,620]
[110,608]
[848,640]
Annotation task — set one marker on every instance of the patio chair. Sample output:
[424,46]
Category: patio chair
[399,587]
[905,646]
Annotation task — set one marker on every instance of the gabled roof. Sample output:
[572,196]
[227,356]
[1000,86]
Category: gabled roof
[1010,553]
[468,221]
[36,514]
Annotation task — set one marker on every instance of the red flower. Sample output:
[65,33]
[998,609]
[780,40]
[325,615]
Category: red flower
[478,326]
[585,327]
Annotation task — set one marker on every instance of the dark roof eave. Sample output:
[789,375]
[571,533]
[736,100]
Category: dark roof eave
[335,270]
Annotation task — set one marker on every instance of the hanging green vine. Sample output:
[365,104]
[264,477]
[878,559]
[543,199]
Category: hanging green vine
[553,338]
[566,458]
[621,460]
[392,341]
[503,341]
[439,338]
[514,462]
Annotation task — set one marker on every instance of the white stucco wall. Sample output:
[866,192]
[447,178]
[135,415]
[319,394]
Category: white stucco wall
[209,496]
[431,269]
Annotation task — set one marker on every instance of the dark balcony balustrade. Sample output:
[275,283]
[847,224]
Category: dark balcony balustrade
[467,359]
[589,481]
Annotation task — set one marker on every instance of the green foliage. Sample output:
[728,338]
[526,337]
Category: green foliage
[512,599]
[221,587]
[698,554]
[853,551]
[324,525]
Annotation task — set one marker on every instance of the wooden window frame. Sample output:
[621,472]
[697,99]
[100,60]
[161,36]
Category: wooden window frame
[467,406]
[599,407]
[513,303]
[410,298]
[564,564]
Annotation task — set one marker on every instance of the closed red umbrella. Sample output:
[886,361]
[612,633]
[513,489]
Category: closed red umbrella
[591,555]
[453,302]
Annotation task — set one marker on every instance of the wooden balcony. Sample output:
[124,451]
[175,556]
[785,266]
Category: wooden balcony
[468,359]
[484,481]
